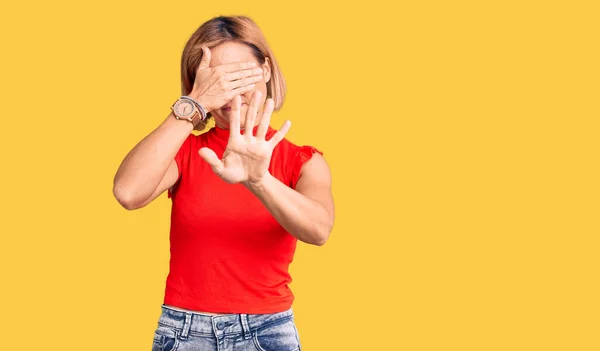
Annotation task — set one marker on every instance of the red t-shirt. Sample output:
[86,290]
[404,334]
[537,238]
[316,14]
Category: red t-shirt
[228,253]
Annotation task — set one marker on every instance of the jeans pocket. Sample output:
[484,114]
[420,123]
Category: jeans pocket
[281,335]
[165,339]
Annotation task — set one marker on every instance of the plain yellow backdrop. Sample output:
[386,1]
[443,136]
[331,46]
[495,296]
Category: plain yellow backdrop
[462,138]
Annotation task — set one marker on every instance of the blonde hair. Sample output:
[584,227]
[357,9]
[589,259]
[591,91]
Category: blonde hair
[222,29]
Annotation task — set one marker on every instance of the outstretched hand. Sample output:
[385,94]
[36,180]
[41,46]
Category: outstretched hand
[247,157]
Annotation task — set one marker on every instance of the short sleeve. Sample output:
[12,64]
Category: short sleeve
[303,154]
[182,158]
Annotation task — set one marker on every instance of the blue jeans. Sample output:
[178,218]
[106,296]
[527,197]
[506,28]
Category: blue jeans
[188,331]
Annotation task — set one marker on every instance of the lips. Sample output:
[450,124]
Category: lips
[227,108]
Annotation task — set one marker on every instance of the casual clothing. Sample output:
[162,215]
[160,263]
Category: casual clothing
[228,253]
[178,330]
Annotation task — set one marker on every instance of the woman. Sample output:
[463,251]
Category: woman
[242,196]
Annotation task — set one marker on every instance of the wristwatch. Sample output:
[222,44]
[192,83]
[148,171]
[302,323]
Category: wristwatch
[186,109]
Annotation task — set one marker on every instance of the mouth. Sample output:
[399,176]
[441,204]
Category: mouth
[227,108]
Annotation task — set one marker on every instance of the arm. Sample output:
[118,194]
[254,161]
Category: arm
[306,212]
[149,168]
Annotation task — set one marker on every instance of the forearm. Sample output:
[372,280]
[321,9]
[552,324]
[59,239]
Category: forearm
[299,215]
[146,164]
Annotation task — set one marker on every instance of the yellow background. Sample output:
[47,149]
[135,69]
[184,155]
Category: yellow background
[462,137]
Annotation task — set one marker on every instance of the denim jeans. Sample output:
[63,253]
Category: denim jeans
[187,331]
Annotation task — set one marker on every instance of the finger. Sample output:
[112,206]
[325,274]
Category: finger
[211,158]
[238,66]
[242,90]
[251,113]
[280,134]
[234,120]
[243,74]
[243,82]
[263,125]
[205,61]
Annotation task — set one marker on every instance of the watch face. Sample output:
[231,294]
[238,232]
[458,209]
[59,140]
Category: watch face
[184,108]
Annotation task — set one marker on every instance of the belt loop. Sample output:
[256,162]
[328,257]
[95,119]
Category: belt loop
[245,326]
[186,325]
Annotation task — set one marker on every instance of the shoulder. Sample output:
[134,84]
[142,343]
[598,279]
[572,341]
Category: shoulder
[285,146]
[294,158]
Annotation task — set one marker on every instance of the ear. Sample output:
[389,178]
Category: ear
[266,67]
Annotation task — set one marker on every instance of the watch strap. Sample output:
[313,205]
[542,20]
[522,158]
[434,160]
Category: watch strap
[200,108]
[195,118]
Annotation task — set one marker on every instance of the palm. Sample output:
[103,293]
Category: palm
[246,158]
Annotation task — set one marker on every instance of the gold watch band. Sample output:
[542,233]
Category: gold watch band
[195,119]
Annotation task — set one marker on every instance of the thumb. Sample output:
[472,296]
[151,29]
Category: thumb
[205,61]
[211,158]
